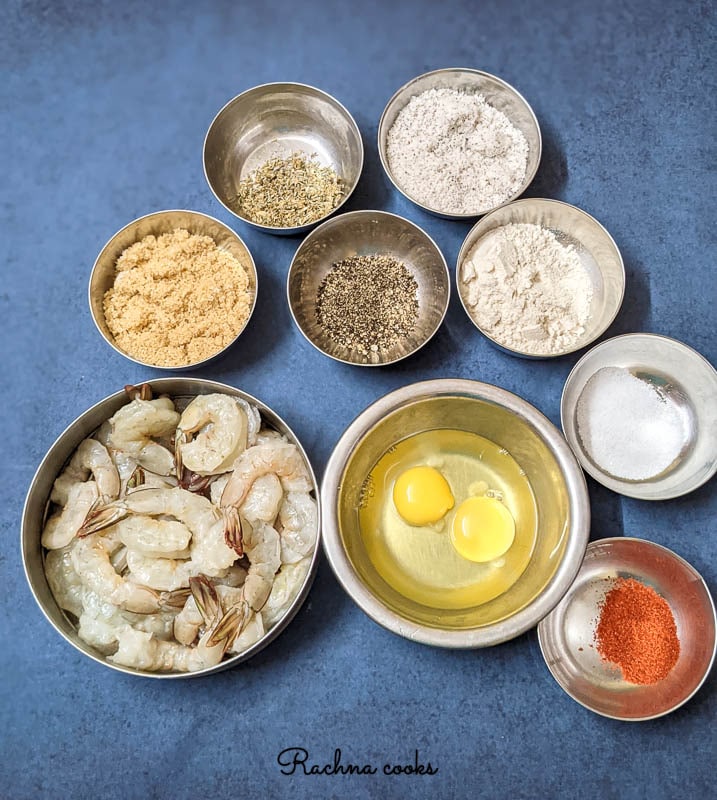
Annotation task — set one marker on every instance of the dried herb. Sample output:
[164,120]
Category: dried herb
[288,192]
[368,303]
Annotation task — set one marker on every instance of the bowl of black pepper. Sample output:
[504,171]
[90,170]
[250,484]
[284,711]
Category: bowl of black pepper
[283,156]
[368,288]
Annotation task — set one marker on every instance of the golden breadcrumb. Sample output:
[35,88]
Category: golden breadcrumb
[177,299]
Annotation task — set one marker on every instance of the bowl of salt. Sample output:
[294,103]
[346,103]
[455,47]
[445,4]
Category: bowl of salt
[639,411]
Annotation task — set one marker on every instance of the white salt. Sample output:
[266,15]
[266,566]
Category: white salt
[628,428]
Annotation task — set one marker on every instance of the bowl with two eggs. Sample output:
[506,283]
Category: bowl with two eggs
[454,513]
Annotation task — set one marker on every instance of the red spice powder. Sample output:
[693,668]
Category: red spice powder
[637,632]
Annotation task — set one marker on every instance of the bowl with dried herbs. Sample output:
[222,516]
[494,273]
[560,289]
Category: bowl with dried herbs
[283,156]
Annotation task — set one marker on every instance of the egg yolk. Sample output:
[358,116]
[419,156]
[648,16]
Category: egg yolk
[483,529]
[422,495]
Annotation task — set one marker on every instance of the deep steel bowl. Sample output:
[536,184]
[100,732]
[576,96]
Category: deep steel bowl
[684,378]
[566,635]
[37,502]
[103,272]
[277,120]
[369,233]
[572,226]
[538,447]
[497,93]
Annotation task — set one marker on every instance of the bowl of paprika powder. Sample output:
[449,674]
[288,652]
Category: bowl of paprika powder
[634,637]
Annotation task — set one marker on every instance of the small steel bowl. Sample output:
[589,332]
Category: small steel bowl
[277,120]
[497,93]
[538,447]
[572,226]
[566,635]
[102,276]
[369,233]
[684,378]
[37,503]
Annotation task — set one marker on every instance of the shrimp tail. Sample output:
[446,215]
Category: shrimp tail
[206,598]
[190,480]
[230,625]
[180,438]
[100,517]
[232,530]
[143,392]
[136,479]
[171,601]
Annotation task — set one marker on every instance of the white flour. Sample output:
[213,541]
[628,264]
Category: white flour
[526,290]
[455,153]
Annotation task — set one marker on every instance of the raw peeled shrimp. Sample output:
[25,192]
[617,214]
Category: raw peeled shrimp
[263,500]
[137,425]
[163,574]
[142,650]
[208,550]
[91,559]
[216,487]
[61,528]
[65,584]
[162,538]
[287,584]
[263,549]
[298,526]
[211,432]
[90,458]
[275,456]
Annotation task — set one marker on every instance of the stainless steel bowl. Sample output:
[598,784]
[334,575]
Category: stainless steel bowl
[277,120]
[103,272]
[538,447]
[497,93]
[369,233]
[684,378]
[566,635]
[37,502]
[572,226]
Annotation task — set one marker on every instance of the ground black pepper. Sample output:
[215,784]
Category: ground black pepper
[368,303]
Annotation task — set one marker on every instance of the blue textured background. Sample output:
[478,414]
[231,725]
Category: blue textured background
[105,106]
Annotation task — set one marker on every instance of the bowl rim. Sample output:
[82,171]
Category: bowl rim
[272,633]
[279,229]
[529,176]
[542,625]
[565,572]
[627,488]
[343,218]
[465,248]
[161,213]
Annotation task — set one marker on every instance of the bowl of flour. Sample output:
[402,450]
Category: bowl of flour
[459,142]
[540,278]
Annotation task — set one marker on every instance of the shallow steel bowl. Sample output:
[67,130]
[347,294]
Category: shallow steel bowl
[277,120]
[369,233]
[103,272]
[572,226]
[566,635]
[538,447]
[37,502]
[684,378]
[497,93]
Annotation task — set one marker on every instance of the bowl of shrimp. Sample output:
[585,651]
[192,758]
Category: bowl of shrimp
[171,530]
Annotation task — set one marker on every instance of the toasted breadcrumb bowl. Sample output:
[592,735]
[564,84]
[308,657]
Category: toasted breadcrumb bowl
[174,301]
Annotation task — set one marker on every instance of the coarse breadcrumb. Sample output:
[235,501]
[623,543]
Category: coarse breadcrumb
[177,299]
